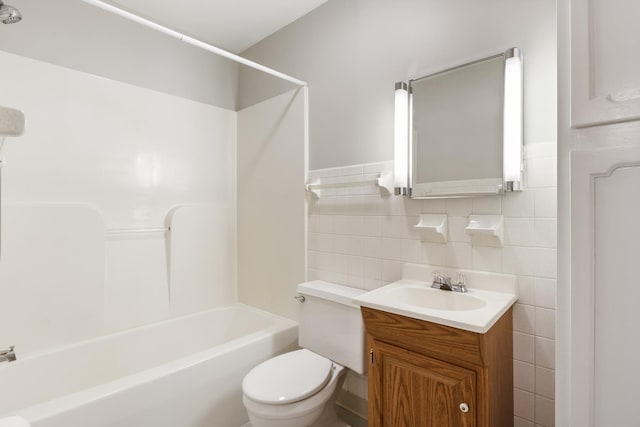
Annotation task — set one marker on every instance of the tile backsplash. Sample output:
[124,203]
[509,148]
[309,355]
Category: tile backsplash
[359,235]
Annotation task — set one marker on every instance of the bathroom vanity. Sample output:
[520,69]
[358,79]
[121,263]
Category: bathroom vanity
[440,358]
[430,375]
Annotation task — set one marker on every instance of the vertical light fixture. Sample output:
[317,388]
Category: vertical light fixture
[513,120]
[401,140]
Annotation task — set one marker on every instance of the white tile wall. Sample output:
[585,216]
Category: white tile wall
[360,236]
[520,422]
[524,376]
[523,404]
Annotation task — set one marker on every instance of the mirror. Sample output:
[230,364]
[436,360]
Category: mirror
[464,127]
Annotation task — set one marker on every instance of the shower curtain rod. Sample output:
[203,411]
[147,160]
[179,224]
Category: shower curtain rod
[195,42]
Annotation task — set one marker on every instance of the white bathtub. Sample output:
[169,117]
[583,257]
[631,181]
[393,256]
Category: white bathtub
[185,372]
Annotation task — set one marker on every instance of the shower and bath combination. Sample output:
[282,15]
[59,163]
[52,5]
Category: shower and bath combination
[9,14]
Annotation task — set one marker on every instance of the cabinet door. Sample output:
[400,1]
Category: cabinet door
[411,390]
[605,67]
[605,241]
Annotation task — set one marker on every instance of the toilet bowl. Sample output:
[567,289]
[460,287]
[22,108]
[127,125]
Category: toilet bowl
[300,388]
[293,390]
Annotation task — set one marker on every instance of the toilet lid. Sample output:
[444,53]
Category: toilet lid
[287,378]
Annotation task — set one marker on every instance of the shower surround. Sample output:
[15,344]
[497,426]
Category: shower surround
[115,202]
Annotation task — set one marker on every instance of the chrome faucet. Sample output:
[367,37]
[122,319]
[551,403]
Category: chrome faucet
[442,282]
[8,355]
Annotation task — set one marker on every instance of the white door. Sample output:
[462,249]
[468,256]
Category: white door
[605,287]
[599,167]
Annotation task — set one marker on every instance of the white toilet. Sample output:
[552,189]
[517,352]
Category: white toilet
[299,389]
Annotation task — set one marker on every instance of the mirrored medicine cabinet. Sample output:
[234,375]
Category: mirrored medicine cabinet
[464,130]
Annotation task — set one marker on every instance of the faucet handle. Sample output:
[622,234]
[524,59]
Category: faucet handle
[461,283]
[461,279]
[438,278]
[440,281]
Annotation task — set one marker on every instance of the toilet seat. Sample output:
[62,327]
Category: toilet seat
[296,414]
[288,378]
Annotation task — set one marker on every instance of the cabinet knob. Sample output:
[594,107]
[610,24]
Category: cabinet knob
[464,407]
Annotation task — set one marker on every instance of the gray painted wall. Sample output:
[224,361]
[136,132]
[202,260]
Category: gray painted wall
[351,52]
[271,209]
[75,35]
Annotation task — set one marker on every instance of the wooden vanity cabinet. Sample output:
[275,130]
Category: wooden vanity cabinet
[422,374]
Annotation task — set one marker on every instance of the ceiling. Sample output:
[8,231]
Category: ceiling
[234,25]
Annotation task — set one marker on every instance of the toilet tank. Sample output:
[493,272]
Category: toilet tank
[331,325]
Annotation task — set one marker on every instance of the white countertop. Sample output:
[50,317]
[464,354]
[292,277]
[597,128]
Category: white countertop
[476,310]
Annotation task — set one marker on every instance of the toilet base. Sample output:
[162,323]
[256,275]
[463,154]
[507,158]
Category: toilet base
[337,424]
[327,419]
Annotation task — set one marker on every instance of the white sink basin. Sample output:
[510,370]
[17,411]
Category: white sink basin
[476,310]
[425,297]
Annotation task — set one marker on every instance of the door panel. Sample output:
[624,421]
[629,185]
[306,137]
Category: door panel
[617,296]
[414,390]
[605,206]
[605,76]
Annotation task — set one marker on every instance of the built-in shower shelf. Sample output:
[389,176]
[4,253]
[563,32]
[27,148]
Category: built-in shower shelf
[123,231]
[383,181]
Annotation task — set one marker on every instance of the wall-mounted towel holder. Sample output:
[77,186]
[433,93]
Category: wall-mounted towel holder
[384,181]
